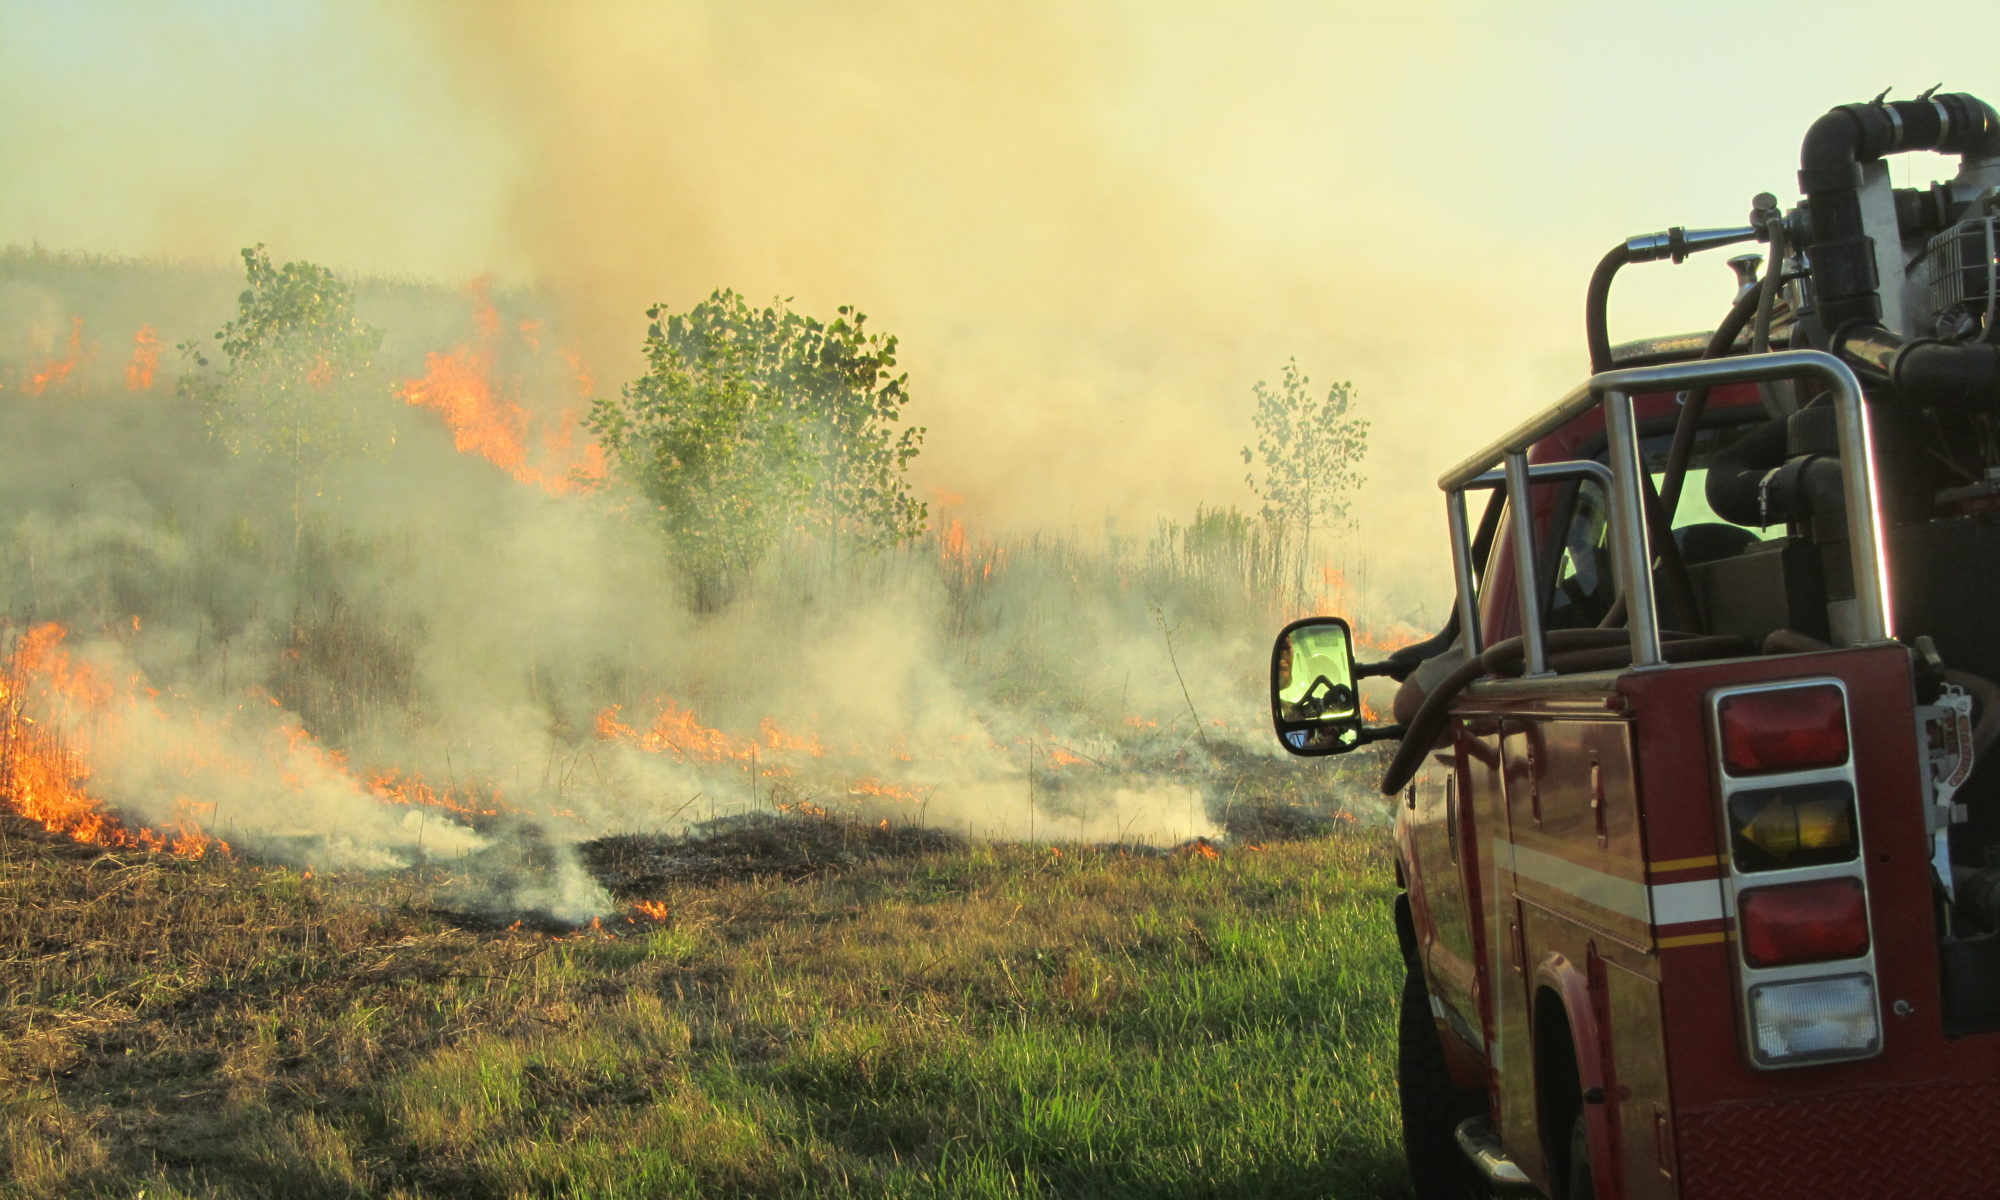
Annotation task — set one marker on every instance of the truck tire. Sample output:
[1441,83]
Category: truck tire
[1582,1184]
[1432,1104]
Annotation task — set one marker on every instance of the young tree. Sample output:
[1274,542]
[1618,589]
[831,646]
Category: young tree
[1307,462]
[297,381]
[749,422]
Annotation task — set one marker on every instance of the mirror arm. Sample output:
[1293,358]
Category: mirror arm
[1398,671]
[1383,733]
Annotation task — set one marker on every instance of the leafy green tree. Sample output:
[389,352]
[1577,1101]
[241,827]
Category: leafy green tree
[295,378]
[1307,462]
[753,421]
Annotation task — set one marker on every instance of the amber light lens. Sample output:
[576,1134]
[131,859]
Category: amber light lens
[1804,825]
[1791,729]
[1812,922]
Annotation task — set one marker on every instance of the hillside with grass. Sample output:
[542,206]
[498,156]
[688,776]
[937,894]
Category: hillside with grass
[429,770]
[885,1016]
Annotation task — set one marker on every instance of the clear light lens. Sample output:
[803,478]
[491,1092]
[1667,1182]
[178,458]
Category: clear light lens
[1814,1019]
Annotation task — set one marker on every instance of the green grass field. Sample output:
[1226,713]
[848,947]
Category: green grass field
[970,1021]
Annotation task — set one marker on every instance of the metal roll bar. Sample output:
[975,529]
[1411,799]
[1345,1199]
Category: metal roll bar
[1631,547]
[1515,478]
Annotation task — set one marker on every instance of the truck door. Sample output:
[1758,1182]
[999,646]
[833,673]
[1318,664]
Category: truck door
[1445,835]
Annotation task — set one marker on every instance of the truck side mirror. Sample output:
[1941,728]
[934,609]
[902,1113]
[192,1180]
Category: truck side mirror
[1313,702]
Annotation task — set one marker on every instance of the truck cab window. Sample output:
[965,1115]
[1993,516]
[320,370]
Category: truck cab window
[1584,583]
[1585,586]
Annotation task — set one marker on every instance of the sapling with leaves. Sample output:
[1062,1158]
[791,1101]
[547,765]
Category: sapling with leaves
[1307,462]
[751,422]
[294,377]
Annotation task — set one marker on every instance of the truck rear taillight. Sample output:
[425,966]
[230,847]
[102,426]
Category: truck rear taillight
[1795,880]
[1801,825]
[1819,921]
[1786,729]
[1794,1024]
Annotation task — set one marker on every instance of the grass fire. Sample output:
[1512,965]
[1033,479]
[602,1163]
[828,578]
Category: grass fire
[368,639]
[653,600]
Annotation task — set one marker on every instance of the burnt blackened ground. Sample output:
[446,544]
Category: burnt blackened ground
[781,845]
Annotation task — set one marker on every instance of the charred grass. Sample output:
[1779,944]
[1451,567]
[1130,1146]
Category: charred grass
[912,1018]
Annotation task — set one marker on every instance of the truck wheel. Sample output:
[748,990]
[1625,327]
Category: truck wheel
[1582,1184]
[1432,1104]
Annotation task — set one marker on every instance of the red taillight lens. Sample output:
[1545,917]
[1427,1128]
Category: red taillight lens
[1802,922]
[1790,729]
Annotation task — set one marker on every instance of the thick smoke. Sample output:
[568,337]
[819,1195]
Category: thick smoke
[419,657]
[1094,224]
[1080,246]
[1093,228]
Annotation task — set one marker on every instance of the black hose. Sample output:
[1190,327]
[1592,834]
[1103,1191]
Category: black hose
[1758,481]
[1926,373]
[1674,477]
[1842,255]
[1681,606]
[1660,506]
[1767,300]
[1962,378]
[1736,476]
[1569,650]
[1596,300]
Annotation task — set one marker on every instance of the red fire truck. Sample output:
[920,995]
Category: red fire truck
[1697,829]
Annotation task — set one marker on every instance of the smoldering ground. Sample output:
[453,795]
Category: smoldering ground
[418,656]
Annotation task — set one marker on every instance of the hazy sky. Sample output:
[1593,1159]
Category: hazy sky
[1094,224]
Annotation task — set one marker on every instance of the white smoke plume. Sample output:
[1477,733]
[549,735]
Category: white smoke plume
[427,658]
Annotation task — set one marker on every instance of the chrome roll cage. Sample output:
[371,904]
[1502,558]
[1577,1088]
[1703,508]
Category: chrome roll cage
[1631,548]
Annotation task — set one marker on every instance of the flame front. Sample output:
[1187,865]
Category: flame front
[145,359]
[460,388]
[677,731]
[57,371]
[397,787]
[61,717]
[43,771]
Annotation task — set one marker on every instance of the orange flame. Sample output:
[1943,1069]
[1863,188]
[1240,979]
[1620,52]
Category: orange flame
[460,388]
[880,790]
[652,909]
[396,787]
[1337,598]
[774,750]
[55,711]
[952,541]
[955,546]
[145,359]
[779,739]
[321,375]
[1334,597]
[677,731]
[43,772]
[57,370]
